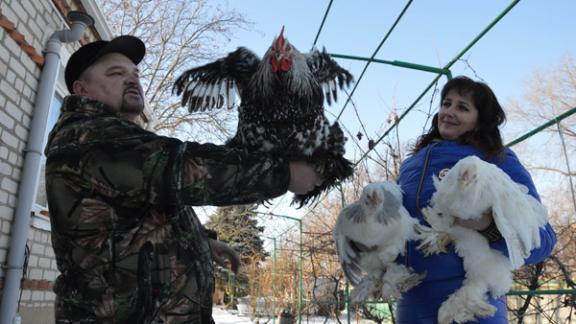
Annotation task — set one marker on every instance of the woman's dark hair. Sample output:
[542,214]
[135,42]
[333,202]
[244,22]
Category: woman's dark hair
[486,136]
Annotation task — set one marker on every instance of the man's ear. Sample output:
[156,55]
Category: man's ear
[79,88]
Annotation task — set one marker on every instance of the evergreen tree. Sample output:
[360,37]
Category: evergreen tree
[238,226]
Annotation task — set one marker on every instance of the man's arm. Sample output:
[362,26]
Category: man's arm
[207,174]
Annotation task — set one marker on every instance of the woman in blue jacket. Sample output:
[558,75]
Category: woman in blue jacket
[466,124]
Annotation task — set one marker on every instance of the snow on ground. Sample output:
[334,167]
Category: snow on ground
[222,316]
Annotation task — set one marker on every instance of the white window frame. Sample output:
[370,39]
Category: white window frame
[40,218]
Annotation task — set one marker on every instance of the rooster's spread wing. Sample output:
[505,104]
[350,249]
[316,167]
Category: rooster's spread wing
[328,73]
[216,84]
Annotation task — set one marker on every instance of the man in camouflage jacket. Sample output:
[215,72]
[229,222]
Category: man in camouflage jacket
[128,246]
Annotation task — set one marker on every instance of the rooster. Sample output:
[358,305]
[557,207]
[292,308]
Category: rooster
[281,109]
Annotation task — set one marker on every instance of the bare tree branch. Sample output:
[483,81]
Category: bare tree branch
[179,34]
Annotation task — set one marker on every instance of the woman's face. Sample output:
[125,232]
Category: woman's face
[457,115]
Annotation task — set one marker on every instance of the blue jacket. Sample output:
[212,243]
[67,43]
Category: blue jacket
[445,271]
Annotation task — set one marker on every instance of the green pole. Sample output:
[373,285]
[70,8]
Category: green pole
[403,64]
[232,285]
[373,55]
[543,126]
[273,280]
[542,292]
[281,273]
[274,284]
[300,279]
[446,67]
[347,296]
[300,270]
[322,23]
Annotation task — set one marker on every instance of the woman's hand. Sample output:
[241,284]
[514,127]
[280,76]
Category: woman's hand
[477,224]
[223,254]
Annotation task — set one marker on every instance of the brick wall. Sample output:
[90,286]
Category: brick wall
[42,271]
[18,86]
[25,26]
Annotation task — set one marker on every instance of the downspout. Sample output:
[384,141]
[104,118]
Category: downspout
[32,162]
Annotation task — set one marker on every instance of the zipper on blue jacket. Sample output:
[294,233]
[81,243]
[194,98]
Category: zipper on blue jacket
[424,168]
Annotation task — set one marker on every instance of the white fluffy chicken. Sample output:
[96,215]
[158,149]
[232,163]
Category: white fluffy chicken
[370,234]
[471,188]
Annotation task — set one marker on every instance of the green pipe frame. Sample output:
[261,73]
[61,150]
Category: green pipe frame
[440,71]
[398,63]
[447,67]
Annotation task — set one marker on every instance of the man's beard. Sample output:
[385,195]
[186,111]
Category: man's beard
[132,106]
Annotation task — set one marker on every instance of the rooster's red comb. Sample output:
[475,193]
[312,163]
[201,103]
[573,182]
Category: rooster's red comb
[280,40]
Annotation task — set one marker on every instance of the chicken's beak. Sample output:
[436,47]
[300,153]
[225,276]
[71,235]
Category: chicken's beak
[373,199]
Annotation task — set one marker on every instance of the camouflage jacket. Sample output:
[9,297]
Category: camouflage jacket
[127,245]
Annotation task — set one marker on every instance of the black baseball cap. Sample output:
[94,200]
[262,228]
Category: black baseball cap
[86,55]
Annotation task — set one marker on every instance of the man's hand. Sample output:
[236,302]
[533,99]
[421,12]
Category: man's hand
[303,177]
[223,254]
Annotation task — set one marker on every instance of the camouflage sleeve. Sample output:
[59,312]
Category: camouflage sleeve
[145,168]
[207,174]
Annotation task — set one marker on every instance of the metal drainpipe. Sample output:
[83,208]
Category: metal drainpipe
[32,162]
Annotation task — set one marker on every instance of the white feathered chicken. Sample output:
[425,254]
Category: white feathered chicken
[370,234]
[471,188]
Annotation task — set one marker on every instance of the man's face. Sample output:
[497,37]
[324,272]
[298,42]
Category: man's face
[114,81]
